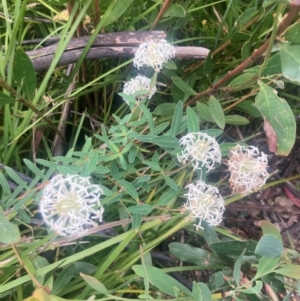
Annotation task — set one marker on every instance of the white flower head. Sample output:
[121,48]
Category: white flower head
[139,83]
[248,169]
[204,203]
[201,149]
[153,54]
[69,203]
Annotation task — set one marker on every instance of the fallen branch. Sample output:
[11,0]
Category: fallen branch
[120,44]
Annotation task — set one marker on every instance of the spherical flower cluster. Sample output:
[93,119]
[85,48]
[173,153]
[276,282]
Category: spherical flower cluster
[140,83]
[248,169]
[201,149]
[70,203]
[204,203]
[153,54]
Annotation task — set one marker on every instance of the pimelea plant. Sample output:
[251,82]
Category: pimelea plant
[70,204]
[204,203]
[157,165]
[138,84]
[201,150]
[248,169]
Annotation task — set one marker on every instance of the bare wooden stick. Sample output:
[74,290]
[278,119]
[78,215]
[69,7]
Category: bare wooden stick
[121,44]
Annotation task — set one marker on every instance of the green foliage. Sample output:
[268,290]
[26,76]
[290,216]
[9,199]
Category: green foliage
[130,151]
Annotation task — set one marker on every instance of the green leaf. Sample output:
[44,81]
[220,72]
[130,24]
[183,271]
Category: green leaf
[242,82]
[273,66]
[216,111]
[140,209]
[15,177]
[129,188]
[248,107]
[183,86]
[208,66]
[288,296]
[204,113]
[290,270]
[290,62]
[176,120]
[269,228]
[24,74]
[167,197]
[293,34]
[90,165]
[237,268]
[269,246]
[9,233]
[5,99]
[245,51]
[201,292]
[112,146]
[160,128]
[143,179]
[226,146]
[63,279]
[192,120]
[84,267]
[4,185]
[69,170]
[161,280]
[166,141]
[154,166]
[236,119]
[246,16]
[254,289]
[234,248]
[95,284]
[165,109]
[197,256]
[115,11]
[136,220]
[149,117]
[170,183]
[279,115]
[132,154]
[39,262]
[266,265]
[209,233]
[34,169]
[175,10]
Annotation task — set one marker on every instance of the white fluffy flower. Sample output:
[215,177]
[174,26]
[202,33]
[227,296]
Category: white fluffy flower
[69,203]
[204,203]
[201,149]
[140,83]
[248,170]
[153,54]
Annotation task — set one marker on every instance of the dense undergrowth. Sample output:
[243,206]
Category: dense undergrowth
[127,157]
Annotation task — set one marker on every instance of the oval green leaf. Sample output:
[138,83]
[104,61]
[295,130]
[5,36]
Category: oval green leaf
[24,74]
[216,111]
[290,62]
[166,141]
[236,119]
[291,271]
[277,112]
[269,246]
[183,86]
[160,279]
[95,284]
[192,120]
[141,209]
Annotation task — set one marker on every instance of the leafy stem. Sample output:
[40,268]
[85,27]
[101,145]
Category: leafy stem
[287,20]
